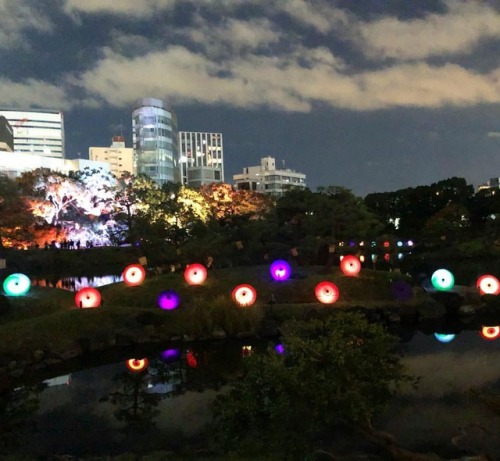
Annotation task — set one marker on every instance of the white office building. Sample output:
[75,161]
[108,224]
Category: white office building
[39,132]
[265,178]
[119,157]
[201,158]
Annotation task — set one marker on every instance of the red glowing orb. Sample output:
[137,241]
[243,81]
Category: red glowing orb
[488,285]
[137,364]
[490,333]
[87,297]
[326,292]
[195,274]
[350,265]
[191,359]
[134,275]
[244,295]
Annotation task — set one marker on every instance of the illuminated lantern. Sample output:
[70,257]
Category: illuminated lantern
[444,337]
[488,285]
[442,280]
[170,355]
[350,265]
[87,297]
[168,300]
[195,274]
[490,333]
[244,295]
[191,359]
[326,292]
[134,275]
[280,270]
[16,285]
[137,365]
[401,290]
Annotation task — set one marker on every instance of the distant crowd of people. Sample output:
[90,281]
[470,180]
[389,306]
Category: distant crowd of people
[68,244]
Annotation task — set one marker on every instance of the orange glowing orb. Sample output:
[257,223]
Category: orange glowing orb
[244,295]
[134,275]
[137,364]
[490,333]
[350,265]
[326,292]
[195,274]
[488,285]
[87,297]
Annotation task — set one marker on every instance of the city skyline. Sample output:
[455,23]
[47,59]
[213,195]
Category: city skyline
[370,95]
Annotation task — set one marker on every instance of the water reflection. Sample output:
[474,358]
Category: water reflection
[77,283]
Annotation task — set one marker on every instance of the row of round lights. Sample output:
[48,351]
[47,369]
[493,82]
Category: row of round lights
[489,333]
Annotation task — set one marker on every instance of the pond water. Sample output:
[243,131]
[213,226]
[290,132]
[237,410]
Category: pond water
[107,407]
[76,283]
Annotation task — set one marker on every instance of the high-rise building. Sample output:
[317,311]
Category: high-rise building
[119,157]
[154,136]
[39,132]
[265,178]
[201,158]
[6,135]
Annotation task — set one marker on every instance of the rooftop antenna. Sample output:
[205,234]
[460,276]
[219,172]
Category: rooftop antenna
[283,163]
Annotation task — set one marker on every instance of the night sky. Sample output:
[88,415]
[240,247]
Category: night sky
[371,95]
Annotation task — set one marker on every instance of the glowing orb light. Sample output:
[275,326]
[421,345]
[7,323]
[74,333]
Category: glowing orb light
[171,355]
[16,285]
[136,365]
[246,351]
[168,300]
[326,292]
[444,337]
[387,244]
[488,285]
[195,274]
[490,333]
[442,280]
[279,348]
[87,297]
[401,290]
[191,359]
[134,275]
[244,295]
[350,265]
[280,270]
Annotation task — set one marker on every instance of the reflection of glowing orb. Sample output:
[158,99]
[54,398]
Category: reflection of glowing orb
[326,292]
[488,285]
[442,280]
[137,364]
[280,270]
[87,297]
[244,295]
[279,348]
[17,285]
[490,333]
[134,275]
[195,274]
[171,355]
[444,337]
[191,359]
[350,265]
[401,290]
[168,300]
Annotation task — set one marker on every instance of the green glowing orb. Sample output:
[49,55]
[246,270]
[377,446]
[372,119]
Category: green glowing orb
[16,285]
[442,280]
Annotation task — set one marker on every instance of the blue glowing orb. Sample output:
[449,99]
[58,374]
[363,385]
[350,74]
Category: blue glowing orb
[171,355]
[444,337]
[442,280]
[17,285]
[168,300]
[280,270]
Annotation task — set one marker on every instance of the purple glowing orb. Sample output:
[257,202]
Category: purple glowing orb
[280,270]
[168,300]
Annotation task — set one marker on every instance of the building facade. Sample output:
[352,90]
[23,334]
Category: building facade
[6,135]
[39,132]
[155,142]
[119,157]
[201,158]
[265,178]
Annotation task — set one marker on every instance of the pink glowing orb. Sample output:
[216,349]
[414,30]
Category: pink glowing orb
[244,295]
[490,333]
[195,274]
[168,300]
[280,270]
[350,265]
[134,275]
[87,297]
[136,365]
[488,285]
[326,292]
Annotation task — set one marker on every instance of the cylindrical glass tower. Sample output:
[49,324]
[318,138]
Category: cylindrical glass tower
[154,136]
